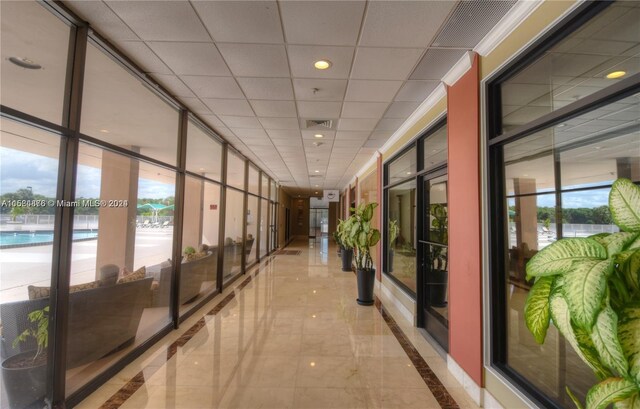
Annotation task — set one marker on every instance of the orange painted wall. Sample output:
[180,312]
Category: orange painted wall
[465,277]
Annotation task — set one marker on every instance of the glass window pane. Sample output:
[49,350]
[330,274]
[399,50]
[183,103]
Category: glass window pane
[435,148]
[199,269]
[120,282]
[119,109]
[265,186]
[235,170]
[252,229]
[264,228]
[529,164]
[403,167]
[32,36]
[254,180]
[28,184]
[273,192]
[203,153]
[603,51]
[233,234]
[401,242]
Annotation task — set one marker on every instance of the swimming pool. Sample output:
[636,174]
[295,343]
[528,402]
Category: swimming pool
[39,237]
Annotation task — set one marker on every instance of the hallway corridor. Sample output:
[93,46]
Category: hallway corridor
[288,334]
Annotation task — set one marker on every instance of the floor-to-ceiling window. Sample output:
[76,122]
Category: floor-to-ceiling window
[368,193]
[234,226]
[565,126]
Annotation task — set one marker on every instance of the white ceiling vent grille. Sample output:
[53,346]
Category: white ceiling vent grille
[319,123]
[436,63]
[471,21]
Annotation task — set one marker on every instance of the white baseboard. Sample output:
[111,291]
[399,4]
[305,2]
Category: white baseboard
[390,297]
[469,385]
[490,402]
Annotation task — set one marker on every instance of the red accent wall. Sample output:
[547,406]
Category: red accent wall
[379,214]
[465,277]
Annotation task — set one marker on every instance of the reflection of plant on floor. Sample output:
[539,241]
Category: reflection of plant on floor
[590,289]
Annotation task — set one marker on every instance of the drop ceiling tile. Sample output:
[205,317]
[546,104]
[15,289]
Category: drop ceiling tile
[174,85]
[283,145]
[401,109]
[195,105]
[267,88]
[373,143]
[241,21]
[237,107]
[372,91]
[436,63]
[346,124]
[284,134]
[364,109]
[319,89]
[164,21]
[279,123]
[302,58]
[212,120]
[353,135]
[403,23]
[390,124]
[191,58]
[213,87]
[142,55]
[416,90]
[322,22]
[381,135]
[319,109]
[102,18]
[283,109]
[385,63]
[255,60]
[328,136]
[338,144]
[257,142]
[240,122]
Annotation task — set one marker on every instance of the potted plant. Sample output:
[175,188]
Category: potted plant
[394,230]
[336,237]
[590,289]
[363,236]
[25,374]
[438,275]
[347,246]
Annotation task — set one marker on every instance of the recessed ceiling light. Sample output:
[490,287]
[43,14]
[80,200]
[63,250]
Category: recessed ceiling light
[322,64]
[317,171]
[598,147]
[408,173]
[318,135]
[104,130]
[317,185]
[316,193]
[25,63]
[616,74]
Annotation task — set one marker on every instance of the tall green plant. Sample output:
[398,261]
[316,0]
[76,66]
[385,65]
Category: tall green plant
[590,289]
[343,232]
[40,333]
[362,236]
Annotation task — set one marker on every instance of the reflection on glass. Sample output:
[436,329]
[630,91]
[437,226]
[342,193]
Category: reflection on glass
[402,233]
[120,283]
[368,188]
[264,228]
[28,182]
[199,268]
[235,170]
[254,180]
[576,67]
[252,229]
[265,186]
[402,167]
[38,92]
[435,148]
[233,234]
[203,152]
[120,109]
[273,193]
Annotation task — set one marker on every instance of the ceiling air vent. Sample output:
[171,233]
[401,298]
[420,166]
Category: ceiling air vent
[319,123]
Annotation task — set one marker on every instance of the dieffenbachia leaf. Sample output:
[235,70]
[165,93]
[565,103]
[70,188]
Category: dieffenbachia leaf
[584,287]
[561,255]
[585,350]
[605,340]
[609,391]
[629,264]
[629,336]
[632,402]
[616,242]
[624,203]
[536,309]
[573,398]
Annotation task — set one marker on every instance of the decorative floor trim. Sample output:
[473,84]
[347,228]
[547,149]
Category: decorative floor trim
[117,399]
[288,253]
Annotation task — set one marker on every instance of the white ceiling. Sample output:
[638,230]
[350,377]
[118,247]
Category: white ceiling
[246,68]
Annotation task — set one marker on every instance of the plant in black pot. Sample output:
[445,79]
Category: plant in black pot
[394,231]
[25,374]
[363,236]
[336,238]
[345,242]
[438,255]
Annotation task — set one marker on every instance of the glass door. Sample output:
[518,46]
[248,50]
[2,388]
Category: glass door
[434,289]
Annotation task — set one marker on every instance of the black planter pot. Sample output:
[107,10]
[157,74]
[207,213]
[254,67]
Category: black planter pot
[438,288]
[24,386]
[347,257]
[340,248]
[366,280]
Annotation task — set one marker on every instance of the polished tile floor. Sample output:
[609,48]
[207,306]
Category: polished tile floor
[288,334]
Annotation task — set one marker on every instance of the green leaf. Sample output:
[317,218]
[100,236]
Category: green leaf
[609,391]
[573,398]
[616,242]
[629,336]
[560,256]
[584,287]
[632,402]
[562,320]
[367,214]
[629,264]
[624,203]
[605,339]
[588,349]
[536,308]
[374,238]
